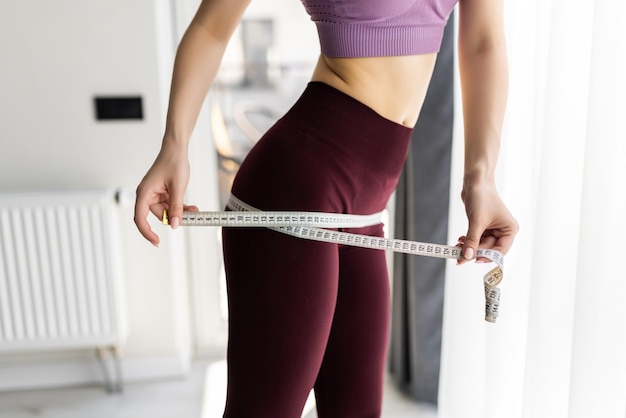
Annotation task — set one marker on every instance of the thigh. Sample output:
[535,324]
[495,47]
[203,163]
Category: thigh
[350,381]
[281,296]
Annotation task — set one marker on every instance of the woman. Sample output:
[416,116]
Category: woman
[305,314]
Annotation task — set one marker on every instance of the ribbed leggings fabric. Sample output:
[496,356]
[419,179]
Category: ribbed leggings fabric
[304,314]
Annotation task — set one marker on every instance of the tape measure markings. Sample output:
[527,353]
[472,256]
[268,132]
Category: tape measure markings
[310,225]
[273,219]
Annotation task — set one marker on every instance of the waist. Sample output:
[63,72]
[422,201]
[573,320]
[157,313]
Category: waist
[394,87]
[349,126]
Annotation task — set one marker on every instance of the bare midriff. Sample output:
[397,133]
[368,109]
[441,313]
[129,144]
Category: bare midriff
[394,87]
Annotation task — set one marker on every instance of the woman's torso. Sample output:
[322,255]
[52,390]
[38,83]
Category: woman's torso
[394,87]
[382,53]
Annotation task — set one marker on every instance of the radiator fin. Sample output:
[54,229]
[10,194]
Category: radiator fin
[59,282]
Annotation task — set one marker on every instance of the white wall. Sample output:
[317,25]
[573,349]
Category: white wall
[295,36]
[55,56]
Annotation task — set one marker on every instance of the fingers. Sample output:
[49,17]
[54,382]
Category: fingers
[496,240]
[472,240]
[176,206]
[162,187]
[491,225]
[487,241]
[505,242]
[157,210]
[142,209]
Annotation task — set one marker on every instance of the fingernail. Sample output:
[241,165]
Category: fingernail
[469,253]
[175,222]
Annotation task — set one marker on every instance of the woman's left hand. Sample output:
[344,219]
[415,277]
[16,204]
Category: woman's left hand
[491,225]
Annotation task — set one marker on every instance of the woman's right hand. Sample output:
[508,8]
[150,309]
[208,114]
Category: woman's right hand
[163,188]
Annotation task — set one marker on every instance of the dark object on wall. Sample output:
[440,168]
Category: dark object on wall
[422,201]
[115,108]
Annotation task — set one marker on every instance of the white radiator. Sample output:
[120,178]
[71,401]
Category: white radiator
[60,271]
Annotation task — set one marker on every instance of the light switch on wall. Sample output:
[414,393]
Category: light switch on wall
[115,108]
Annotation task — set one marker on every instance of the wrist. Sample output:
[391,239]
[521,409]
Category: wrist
[176,140]
[478,174]
[481,156]
[477,180]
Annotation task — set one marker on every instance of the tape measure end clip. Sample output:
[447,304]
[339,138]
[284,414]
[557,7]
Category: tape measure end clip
[491,319]
[166,220]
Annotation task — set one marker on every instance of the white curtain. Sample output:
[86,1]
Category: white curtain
[559,347]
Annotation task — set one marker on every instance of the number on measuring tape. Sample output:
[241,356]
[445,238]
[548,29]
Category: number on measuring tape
[312,226]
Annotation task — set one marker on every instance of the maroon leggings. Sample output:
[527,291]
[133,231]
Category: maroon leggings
[305,314]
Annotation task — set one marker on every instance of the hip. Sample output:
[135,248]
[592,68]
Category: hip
[328,153]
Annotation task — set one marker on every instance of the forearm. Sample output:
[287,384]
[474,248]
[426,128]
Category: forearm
[196,65]
[484,78]
[197,61]
[484,84]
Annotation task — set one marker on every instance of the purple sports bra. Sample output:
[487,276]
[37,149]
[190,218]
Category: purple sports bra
[374,28]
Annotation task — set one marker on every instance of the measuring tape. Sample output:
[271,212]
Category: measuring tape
[312,226]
